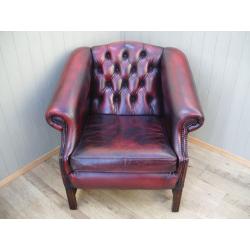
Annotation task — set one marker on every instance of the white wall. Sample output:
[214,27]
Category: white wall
[31,62]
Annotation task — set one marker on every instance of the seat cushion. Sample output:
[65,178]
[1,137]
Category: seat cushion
[112,143]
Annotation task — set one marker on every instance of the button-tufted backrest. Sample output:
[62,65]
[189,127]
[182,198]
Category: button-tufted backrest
[126,79]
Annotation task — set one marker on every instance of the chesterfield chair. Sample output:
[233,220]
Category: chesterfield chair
[124,111]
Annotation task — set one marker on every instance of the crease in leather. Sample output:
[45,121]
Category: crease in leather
[137,143]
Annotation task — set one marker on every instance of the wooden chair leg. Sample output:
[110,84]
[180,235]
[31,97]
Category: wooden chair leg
[71,195]
[176,199]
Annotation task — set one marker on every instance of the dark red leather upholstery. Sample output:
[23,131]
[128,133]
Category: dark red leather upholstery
[181,105]
[69,106]
[130,144]
[126,79]
[123,180]
[125,110]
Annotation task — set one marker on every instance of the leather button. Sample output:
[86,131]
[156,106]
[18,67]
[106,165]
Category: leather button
[142,83]
[133,69]
[143,54]
[117,68]
[149,98]
[150,67]
[133,98]
[100,98]
[108,55]
[124,83]
[125,55]
[109,84]
[99,69]
[116,98]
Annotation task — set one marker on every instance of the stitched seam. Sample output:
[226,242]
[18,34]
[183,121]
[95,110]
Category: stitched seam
[123,158]
[186,128]
[172,173]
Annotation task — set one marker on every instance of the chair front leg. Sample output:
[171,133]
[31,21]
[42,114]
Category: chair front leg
[71,195]
[177,190]
[70,190]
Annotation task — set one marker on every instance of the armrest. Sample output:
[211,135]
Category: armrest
[70,103]
[181,105]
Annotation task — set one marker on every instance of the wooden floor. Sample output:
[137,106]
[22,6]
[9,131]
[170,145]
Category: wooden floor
[215,187]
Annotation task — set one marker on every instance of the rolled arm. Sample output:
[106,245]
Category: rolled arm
[69,105]
[181,105]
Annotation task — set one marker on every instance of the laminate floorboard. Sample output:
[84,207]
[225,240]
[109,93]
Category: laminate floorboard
[215,187]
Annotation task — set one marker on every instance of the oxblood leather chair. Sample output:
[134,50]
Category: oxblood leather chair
[125,110]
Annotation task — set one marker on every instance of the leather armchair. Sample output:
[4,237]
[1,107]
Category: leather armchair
[124,111]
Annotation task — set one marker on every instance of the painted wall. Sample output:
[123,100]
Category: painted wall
[31,63]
